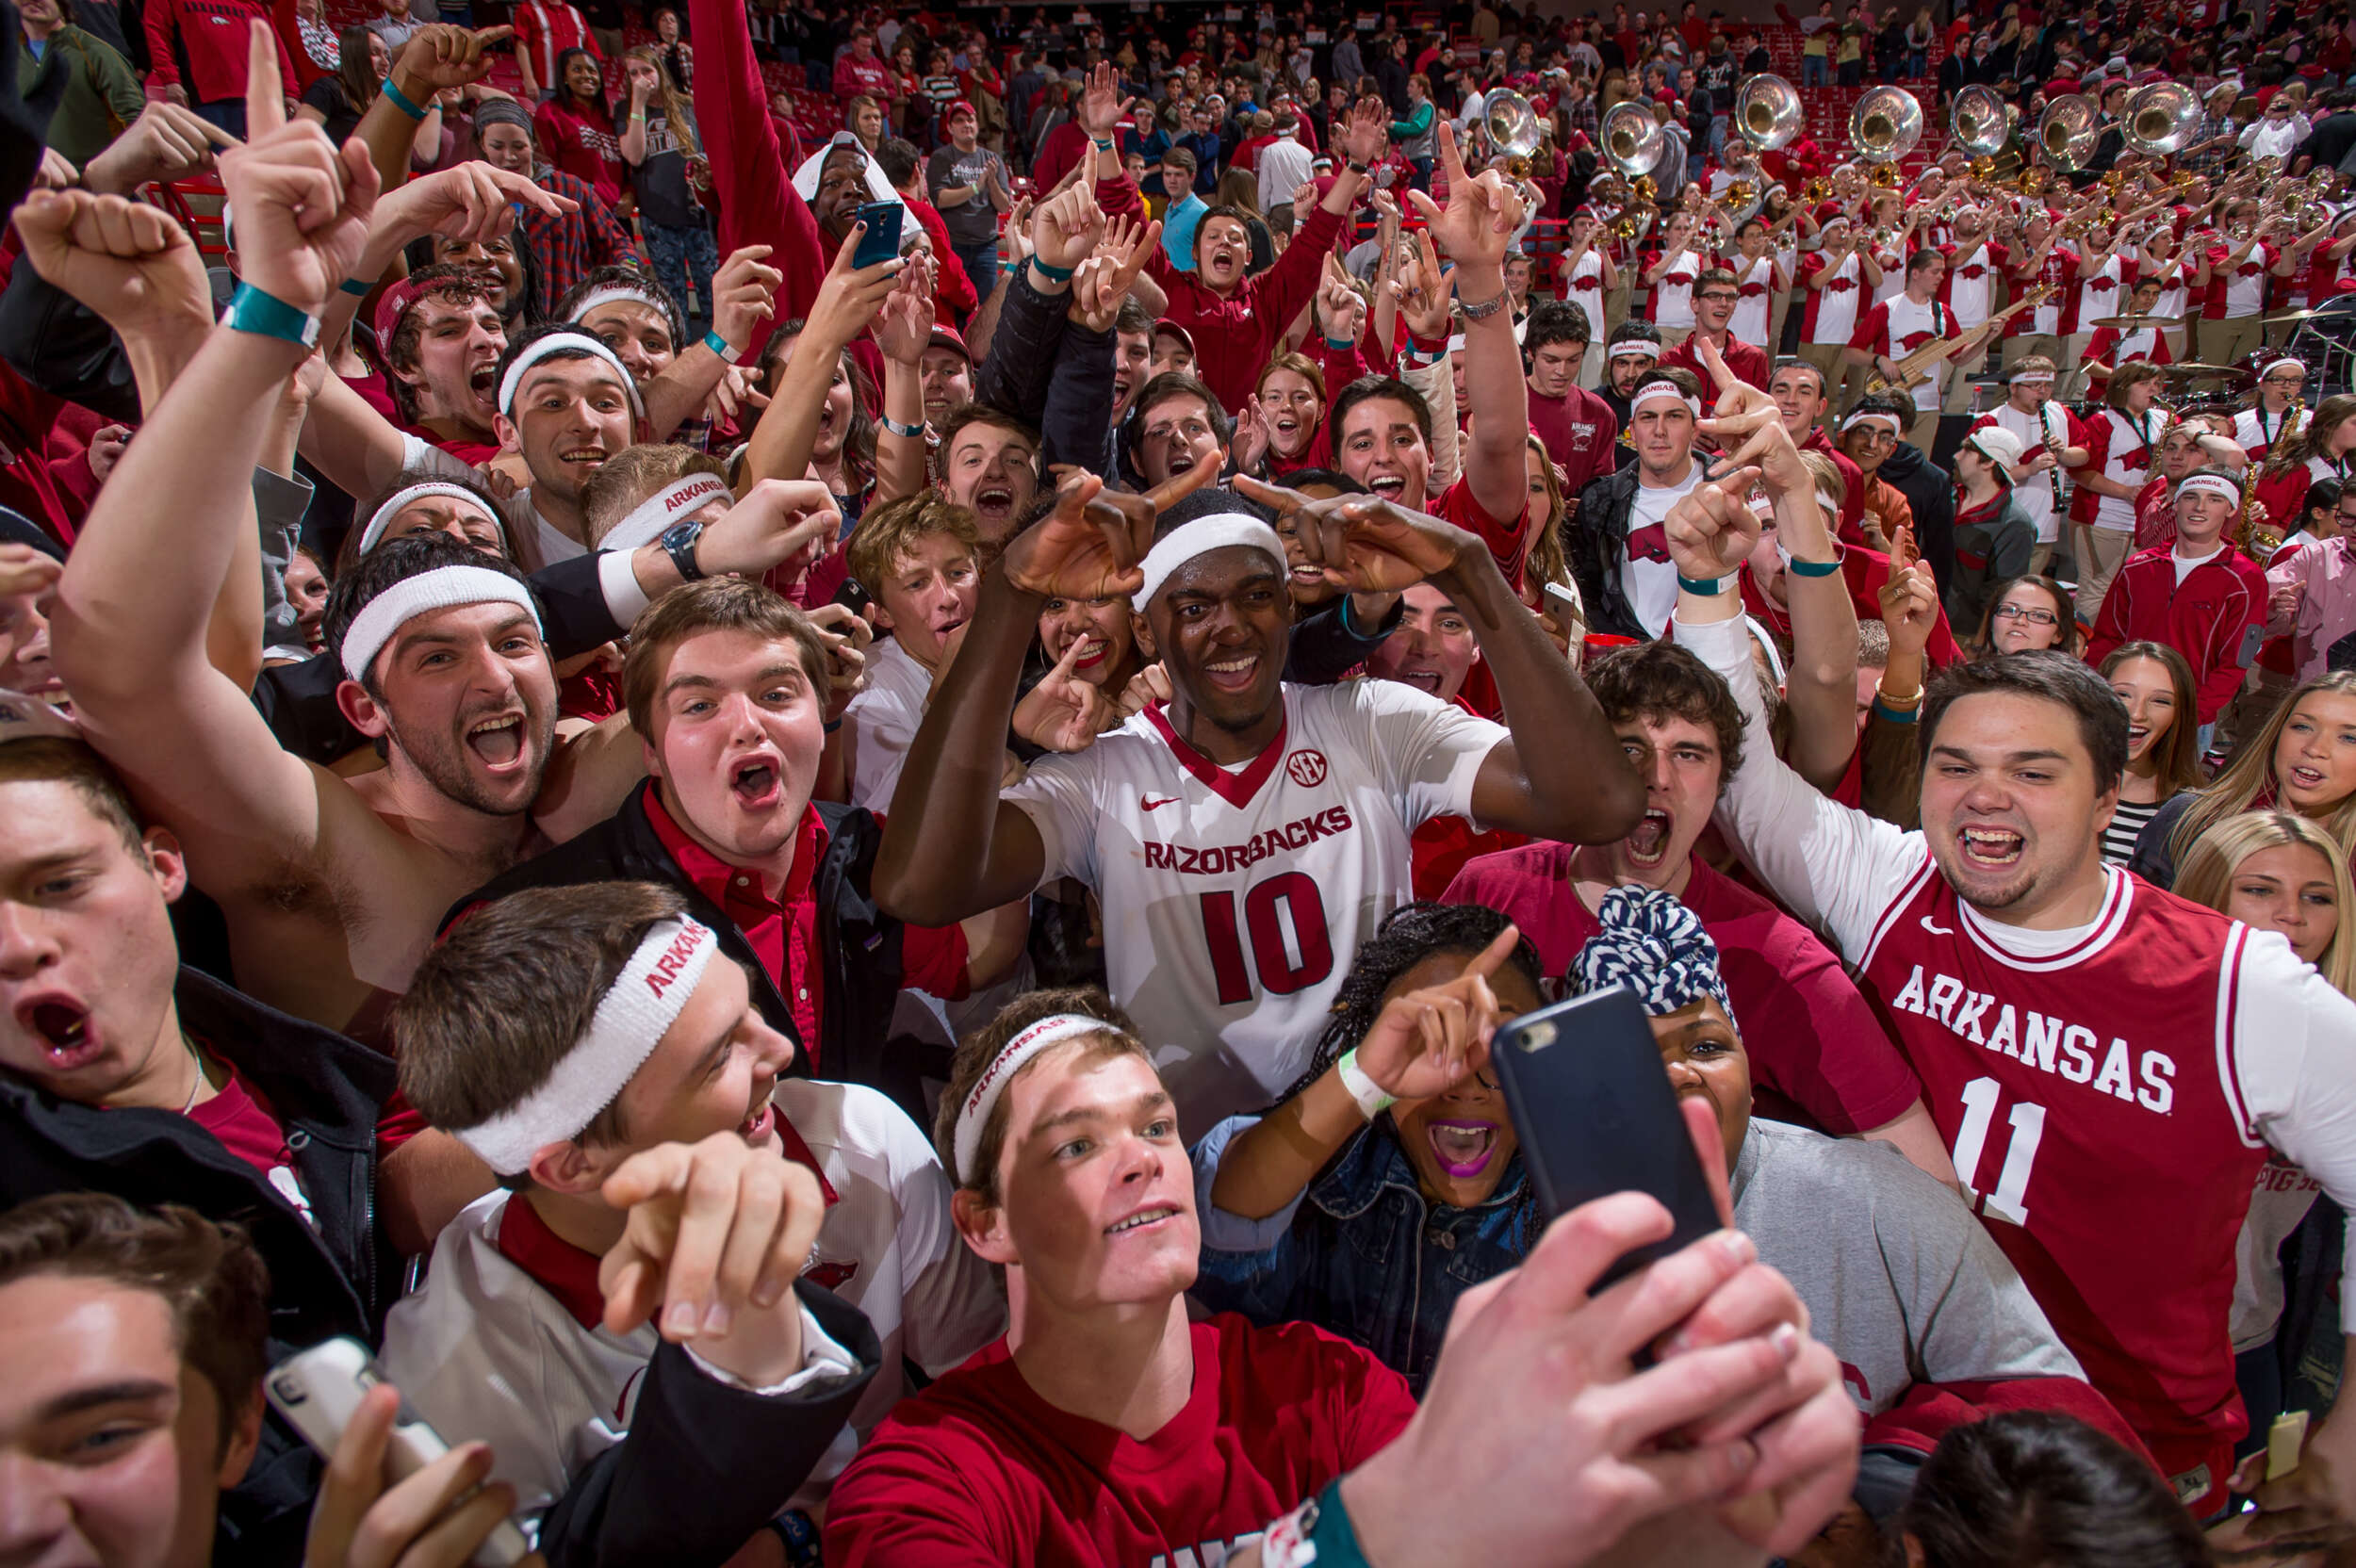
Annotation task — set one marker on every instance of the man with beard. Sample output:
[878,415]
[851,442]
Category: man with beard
[1632,355]
[1333,781]
[1819,1057]
[2069,1021]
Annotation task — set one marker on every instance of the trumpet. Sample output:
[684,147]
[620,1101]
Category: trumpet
[1815,191]
[1741,194]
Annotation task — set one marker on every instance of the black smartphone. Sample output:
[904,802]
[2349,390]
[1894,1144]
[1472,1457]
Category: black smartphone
[1594,1114]
[881,241]
[852,597]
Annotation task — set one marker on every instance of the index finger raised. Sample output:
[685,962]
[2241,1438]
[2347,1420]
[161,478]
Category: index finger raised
[265,92]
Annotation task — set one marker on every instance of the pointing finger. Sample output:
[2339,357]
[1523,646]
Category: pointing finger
[265,92]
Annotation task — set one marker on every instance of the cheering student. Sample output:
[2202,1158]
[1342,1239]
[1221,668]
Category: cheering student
[1204,871]
[2200,595]
[1715,298]
[1107,1429]
[2001,947]
[2302,760]
[2163,739]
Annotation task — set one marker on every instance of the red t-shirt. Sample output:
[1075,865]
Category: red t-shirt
[978,1469]
[784,931]
[1578,431]
[1819,1057]
[246,1125]
[1748,364]
[582,146]
[1507,542]
[545,30]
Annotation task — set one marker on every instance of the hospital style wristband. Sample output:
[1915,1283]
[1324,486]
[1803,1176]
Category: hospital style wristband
[719,345]
[401,101]
[268,315]
[1810,568]
[1319,1532]
[888,423]
[357,287]
[1053,274]
[1371,1101]
[1708,587]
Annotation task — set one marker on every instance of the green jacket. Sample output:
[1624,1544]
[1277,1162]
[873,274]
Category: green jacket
[101,94]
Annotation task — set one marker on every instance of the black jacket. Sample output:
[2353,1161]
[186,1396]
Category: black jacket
[704,1465]
[1931,493]
[1026,374]
[1598,543]
[860,942]
[332,1275]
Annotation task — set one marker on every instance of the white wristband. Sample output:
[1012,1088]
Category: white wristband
[1371,1101]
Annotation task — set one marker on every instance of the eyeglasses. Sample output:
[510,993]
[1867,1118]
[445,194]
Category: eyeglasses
[1719,294]
[2025,612]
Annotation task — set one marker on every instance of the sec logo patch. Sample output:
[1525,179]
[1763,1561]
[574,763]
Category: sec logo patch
[1306,768]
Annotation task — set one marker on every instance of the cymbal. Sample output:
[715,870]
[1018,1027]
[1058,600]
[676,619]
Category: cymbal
[2190,371]
[2288,316]
[2129,323]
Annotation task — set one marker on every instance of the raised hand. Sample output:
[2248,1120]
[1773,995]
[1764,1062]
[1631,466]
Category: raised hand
[1748,428]
[443,55]
[744,291]
[1361,137]
[1066,228]
[1063,712]
[167,142]
[904,322]
[469,204]
[1427,1040]
[779,524]
[1341,311]
[1478,224]
[1250,442]
[1711,529]
[125,260]
[716,1233]
[1086,549]
[849,298]
[847,638]
[1147,686]
[1422,292]
[302,206]
[1102,104]
[1909,602]
[1366,544]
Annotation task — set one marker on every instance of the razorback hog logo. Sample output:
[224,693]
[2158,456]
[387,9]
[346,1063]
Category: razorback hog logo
[666,968]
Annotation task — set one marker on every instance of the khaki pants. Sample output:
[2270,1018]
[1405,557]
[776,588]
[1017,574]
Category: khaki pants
[2179,343]
[2071,383]
[1923,433]
[1672,337]
[2100,550]
[2228,341]
[1591,369]
[1957,398]
[2021,348]
[2040,557]
[1830,363]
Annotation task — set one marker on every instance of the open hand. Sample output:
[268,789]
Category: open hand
[1427,1040]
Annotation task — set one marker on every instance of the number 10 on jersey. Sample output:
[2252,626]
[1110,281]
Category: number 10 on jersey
[1284,967]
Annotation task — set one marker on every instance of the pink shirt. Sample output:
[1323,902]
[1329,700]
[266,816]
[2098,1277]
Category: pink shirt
[2326,611]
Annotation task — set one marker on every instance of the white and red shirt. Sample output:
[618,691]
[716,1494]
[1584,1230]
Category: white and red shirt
[2101,292]
[545,29]
[2240,290]
[2120,447]
[1672,292]
[1233,898]
[1754,282]
[2256,430]
[2099,1087]
[2037,493]
[2045,319]
[2110,347]
[1833,309]
[1584,289]
[1970,285]
[2175,291]
[979,1469]
[507,1342]
[1897,327]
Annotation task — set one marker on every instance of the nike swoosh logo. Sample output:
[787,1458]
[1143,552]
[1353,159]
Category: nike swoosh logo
[1150,804]
[1936,930]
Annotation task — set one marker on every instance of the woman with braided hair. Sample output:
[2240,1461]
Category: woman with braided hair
[1373,1214]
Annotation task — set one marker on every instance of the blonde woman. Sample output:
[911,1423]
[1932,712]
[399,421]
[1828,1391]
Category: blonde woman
[656,126]
[2301,760]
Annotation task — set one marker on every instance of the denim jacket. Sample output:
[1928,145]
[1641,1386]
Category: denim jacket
[1360,1251]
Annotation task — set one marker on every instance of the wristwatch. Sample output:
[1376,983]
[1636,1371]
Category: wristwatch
[678,542]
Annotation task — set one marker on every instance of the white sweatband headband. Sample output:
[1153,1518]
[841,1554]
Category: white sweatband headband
[1201,537]
[654,516]
[443,588]
[2213,484]
[556,342]
[973,1114]
[2020,376]
[644,1002]
[612,292]
[1862,415]
[1662,391]
[400,500]
[2285,363]
[1645,347]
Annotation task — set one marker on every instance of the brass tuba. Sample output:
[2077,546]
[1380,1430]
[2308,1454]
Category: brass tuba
[1976,121]
[1513,127]
[1631,138]
[2069,132]
[1767,111]
[1885,124]
[2162,118]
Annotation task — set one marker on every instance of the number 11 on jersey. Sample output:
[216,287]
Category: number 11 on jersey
[2009,1200]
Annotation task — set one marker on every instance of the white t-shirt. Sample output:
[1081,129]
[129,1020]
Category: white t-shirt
[1234,897]
[499,1344]
[880,724]
[1646,575]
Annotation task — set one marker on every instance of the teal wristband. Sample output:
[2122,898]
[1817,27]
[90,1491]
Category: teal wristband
[719,345]
[1053,274]
[1104,143]
[1333,1536]
[267,316]
[1813,568]
[1011,268]
[1341,345]
[357,287]
[1897,716]
[401,101]
[888,423]
[1708,587]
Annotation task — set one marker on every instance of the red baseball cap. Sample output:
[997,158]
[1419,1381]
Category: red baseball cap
[958,109]
[949,337]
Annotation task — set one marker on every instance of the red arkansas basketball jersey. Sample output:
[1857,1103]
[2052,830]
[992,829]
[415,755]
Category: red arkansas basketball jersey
[1234,897]
[2091,1102]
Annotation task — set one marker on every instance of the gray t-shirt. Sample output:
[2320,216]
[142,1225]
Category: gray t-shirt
[1900,1280]
[973,221]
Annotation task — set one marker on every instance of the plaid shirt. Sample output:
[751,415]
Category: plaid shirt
[569,247]
[2211,126]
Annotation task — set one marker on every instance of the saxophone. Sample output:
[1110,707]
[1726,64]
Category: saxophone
[2257,533]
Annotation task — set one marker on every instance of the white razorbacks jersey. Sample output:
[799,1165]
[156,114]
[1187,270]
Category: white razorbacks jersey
[505,1342]
[2257,430]
[1584,289]
[1913,326]
[1234,897]
[2036,495]
[1971,284]
[1755,281]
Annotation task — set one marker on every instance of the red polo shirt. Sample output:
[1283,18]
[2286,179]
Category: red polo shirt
[784,931]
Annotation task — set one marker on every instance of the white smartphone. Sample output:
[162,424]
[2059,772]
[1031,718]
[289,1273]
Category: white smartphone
[1562,601]
[318,1390]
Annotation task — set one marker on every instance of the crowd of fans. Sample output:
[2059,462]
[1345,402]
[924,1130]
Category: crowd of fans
[807,750]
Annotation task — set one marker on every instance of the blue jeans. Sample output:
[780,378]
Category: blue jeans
[1814,71]
[228,113]
[981,264]
[682,255]
[1423,175]
[1916,60]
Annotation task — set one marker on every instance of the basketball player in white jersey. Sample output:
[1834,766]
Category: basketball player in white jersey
[2109,1062]
[1245,838]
